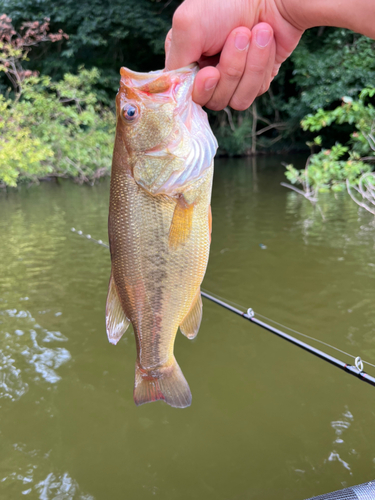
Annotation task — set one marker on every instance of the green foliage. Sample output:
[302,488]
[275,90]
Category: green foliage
[21,154]
[334,168]
[327,67]
[327,170]
[359,113]
[106,34]
[56,129]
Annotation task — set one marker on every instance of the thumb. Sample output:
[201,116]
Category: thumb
[183,44]
[167,44]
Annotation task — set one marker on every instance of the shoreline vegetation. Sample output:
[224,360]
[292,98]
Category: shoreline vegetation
[59,76]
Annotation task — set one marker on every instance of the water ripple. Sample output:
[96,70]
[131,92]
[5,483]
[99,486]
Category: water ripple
[25,344]
[11,384]
[59,487]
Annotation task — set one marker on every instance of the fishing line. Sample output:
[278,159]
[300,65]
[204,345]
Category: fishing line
[249,315]
[89,237]
[288,328]
[240,306]
[356,370]
[314,339]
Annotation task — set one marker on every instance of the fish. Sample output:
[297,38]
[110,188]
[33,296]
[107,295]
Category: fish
[159,224]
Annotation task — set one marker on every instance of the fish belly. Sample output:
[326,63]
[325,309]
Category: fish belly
[156,283]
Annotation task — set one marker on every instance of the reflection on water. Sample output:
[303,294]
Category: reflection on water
[61,486]
[28,480]
[268,421]
[340,426]
[11,384]
[353,227]
[23,347]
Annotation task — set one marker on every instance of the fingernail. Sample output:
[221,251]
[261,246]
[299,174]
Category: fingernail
[210,83]
[241,41]
[263,38]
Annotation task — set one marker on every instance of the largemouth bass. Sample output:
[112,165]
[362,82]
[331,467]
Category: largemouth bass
[159,224]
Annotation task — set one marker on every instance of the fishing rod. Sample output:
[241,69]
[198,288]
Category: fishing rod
[249,315]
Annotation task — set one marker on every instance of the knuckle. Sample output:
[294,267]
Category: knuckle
[215,105]
[233,73]
[182,19]
[255,69]
[275,70]
[263,89]
[168,41]
[238,105]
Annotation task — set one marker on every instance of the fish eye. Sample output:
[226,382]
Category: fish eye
[130,112]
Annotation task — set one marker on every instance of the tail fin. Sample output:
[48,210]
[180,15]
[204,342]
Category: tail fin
[166,383]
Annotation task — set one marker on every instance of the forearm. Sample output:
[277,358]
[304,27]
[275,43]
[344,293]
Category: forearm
[356,15]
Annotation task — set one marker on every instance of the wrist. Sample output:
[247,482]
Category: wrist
[291,12]
[304,14]
[356,15]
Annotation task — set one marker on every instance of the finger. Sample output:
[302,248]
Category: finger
[256,66]
[231,67]
[205,84]
[187,41]
[269,70]
[275,71]
[167,43]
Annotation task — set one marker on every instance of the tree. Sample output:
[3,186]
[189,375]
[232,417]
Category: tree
[106,34]
[49,128]
[348,165]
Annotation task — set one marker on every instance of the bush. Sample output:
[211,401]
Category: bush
[49,128]
[55,129]
[342,165]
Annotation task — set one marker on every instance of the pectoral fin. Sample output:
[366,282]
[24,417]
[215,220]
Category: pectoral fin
[181,224]
[190,326]
[115,319]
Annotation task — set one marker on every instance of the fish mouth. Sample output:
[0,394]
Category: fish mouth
[177,83]
[161,85]
[136,75]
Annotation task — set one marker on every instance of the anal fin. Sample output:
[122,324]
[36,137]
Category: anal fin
[115,320]
[192,321]
[181,224]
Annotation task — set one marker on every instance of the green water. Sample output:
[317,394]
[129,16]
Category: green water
[268,421]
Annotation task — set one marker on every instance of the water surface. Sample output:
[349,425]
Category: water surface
[268,420]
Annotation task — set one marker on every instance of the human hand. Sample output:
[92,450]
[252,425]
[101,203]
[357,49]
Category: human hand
[238,44]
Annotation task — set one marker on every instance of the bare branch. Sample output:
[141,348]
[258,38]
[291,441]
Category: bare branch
[308,196]
[269,127]
[360,191]
[230,118]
